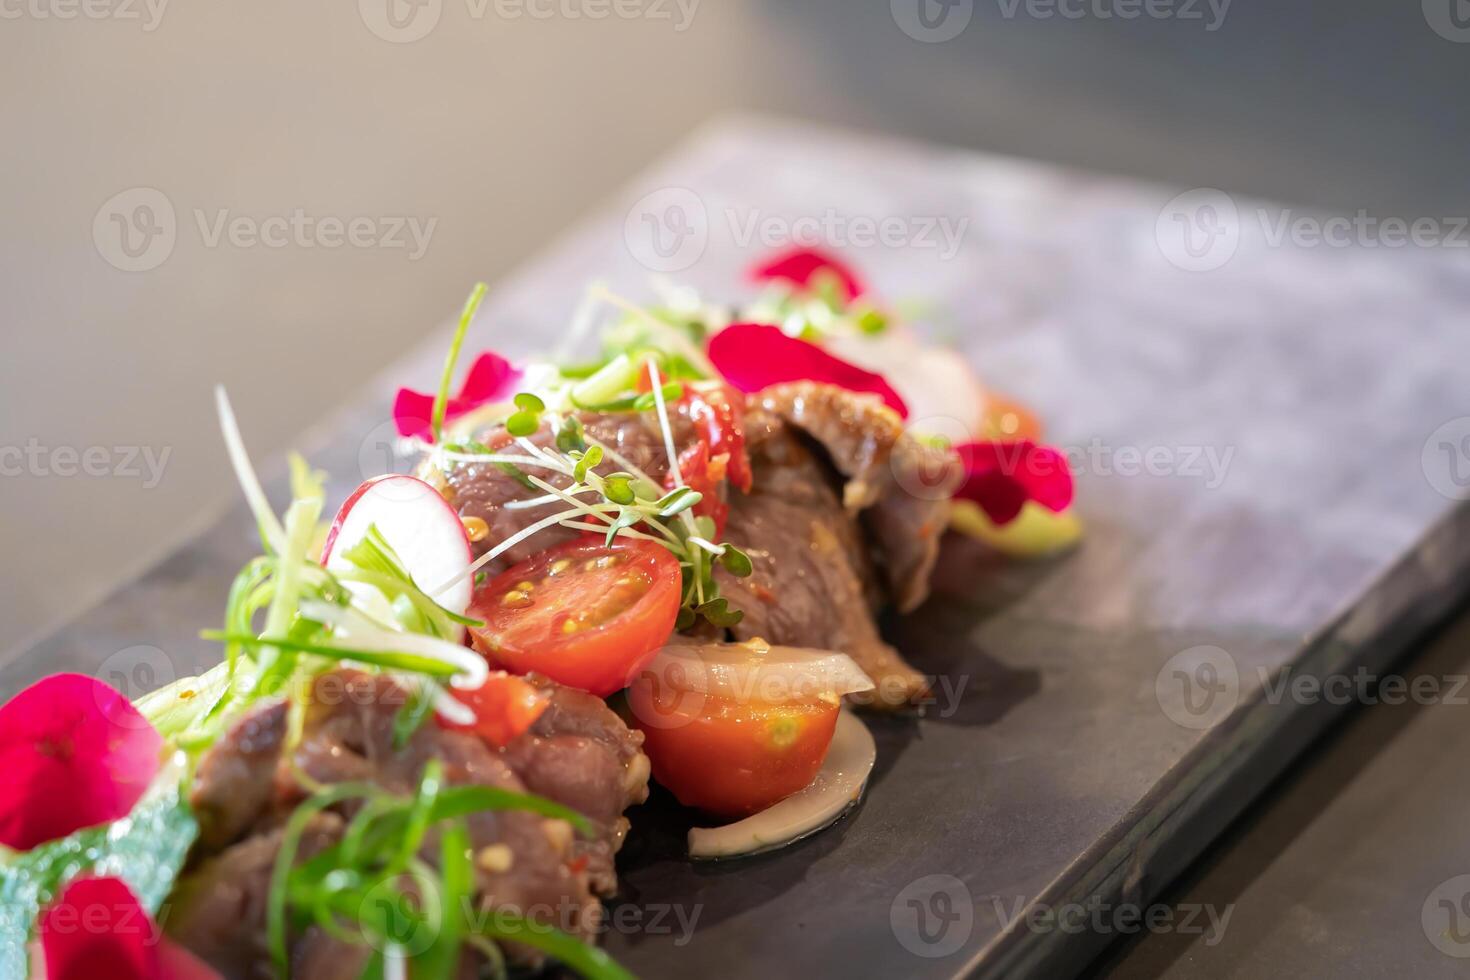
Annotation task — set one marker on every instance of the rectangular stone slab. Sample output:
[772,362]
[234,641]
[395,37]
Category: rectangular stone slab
[1269,471]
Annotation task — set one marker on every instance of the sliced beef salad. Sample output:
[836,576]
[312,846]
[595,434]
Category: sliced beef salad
[437,713]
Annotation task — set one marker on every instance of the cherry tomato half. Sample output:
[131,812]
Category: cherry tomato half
[730,758]
[584,614]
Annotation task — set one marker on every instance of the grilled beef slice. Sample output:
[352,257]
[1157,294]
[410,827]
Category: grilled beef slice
[245,789]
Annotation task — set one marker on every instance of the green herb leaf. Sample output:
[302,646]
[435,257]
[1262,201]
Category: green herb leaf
[571,437]
[683,499]
[627,517]
[719,613]
[736,562]
[685,618]
[871,322]
[589,460]
[523,423]
[528,402]
[618,487]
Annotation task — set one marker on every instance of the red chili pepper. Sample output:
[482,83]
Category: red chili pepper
[703,473]
[505,706]
[719,412]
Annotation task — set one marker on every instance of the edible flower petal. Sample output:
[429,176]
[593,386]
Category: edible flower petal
[75,753]
[753,356]
[1001,476]
[98,928]
[800,265]
[491,378]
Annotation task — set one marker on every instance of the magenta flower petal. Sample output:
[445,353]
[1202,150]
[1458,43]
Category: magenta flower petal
[74,753]
[753,356]
[491,378]
[798,265]
[98,928]
[1001,476]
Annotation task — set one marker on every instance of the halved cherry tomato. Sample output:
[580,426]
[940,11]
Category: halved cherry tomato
[728,757]
[505,707]
[584,614]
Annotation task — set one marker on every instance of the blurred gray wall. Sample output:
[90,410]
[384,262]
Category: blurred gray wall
[503,128]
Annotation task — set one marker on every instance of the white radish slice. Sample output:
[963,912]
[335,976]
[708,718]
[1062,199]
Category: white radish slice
[837,787]
[420,527]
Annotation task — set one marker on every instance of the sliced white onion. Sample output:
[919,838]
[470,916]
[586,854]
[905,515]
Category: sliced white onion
[837,787]
[756,671]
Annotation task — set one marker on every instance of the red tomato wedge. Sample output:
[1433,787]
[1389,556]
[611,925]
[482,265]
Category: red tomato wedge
[505,706]
[585,614]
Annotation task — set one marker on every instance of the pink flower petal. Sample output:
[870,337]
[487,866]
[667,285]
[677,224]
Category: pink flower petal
[798,265]
[753,356]
[491,378]
[98,928]
[74,753]
[1001,476]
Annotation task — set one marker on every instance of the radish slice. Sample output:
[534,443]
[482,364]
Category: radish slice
[838,786]
[419,525]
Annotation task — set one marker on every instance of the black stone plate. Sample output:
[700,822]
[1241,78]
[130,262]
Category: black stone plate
[1112,713]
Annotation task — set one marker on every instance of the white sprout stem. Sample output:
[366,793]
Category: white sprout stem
[710,546]
[550,498]
[514,460]
[270,525]
[624,531]
[600,510]
[663,422]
